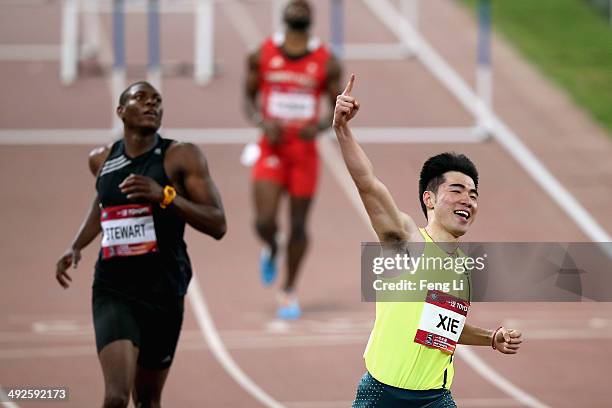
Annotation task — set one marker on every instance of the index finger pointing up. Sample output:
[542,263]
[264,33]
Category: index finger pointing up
[349,86]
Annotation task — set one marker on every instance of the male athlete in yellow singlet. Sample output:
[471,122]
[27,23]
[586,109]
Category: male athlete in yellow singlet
[409,357]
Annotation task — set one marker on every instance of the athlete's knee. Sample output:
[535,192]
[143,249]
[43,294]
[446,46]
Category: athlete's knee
[116,399]
[298,231]
[265,227]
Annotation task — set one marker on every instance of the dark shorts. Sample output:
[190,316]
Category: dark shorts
[371,393]
[152,327]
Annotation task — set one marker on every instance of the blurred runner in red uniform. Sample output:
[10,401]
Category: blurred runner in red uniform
[286,77]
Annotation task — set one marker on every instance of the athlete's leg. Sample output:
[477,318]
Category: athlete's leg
[117,340]
[267,196]
[298,239]
[160,326]
[118,361]
[148,386]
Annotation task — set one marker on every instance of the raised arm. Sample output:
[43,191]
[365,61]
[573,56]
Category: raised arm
[389,223]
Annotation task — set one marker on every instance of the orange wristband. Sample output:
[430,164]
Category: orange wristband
[169,196]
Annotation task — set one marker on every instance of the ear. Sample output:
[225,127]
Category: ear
[119,111]
[429,198]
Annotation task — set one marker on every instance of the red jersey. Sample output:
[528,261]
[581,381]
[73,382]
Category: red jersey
[291,87]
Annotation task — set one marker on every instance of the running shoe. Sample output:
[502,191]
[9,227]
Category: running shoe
[267,267]
[289,308]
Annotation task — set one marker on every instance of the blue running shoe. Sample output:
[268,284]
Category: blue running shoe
[267,267]
[290,310]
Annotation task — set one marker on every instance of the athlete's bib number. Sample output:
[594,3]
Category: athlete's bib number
[291,106]
[442,321]
[128,230]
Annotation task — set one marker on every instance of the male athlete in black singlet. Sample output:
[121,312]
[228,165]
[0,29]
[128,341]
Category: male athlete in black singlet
[147,188]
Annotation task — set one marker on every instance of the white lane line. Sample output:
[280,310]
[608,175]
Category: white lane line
[241,21]
[274,337]
[254,343]
[29,52]
[391,18]
[333,159]
[489,374]
[209,331]
[234,135]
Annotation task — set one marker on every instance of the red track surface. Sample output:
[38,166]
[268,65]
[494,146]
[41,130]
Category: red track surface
[318,359]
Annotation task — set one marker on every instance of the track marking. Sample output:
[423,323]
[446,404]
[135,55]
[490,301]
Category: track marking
[241,21]
[192,341]
[390,17]
[235,135]
[29,52]
[333,159]
[210,334]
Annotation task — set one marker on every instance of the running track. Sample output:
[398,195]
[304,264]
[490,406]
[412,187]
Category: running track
[46,337]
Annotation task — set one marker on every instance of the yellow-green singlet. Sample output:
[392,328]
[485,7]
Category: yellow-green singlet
[392,356]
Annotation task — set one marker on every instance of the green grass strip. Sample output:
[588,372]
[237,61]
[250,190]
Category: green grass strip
[568,41]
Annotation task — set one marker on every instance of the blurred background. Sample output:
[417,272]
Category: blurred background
[522,87]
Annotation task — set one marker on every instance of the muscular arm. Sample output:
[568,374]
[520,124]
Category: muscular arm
[389,223]
[89,229]
[200,203]
[251,89]
[475,336]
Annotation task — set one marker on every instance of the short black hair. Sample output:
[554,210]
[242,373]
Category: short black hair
[432,173]
[124,94]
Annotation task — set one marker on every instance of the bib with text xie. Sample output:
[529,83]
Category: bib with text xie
[442,321]
[128,230]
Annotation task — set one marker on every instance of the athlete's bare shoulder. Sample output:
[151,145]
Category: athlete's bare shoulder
[96,157]
[177,150]
[411,229]
[183,158]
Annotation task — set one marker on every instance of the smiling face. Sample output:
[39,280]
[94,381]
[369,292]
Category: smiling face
[140,107]
[455,203]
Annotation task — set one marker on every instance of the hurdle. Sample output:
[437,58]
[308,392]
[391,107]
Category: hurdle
[484,72]
[71,51]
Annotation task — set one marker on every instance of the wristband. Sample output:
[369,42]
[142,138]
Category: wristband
[169,196]
[493,338]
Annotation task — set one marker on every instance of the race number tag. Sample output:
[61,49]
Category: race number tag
[291,106]
[442,321]
[128,230]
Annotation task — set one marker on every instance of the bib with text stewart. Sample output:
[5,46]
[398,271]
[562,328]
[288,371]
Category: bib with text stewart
[128,230]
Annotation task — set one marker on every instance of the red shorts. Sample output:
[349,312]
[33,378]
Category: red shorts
[294,164]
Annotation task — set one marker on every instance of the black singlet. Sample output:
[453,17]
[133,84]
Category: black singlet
[165,272]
